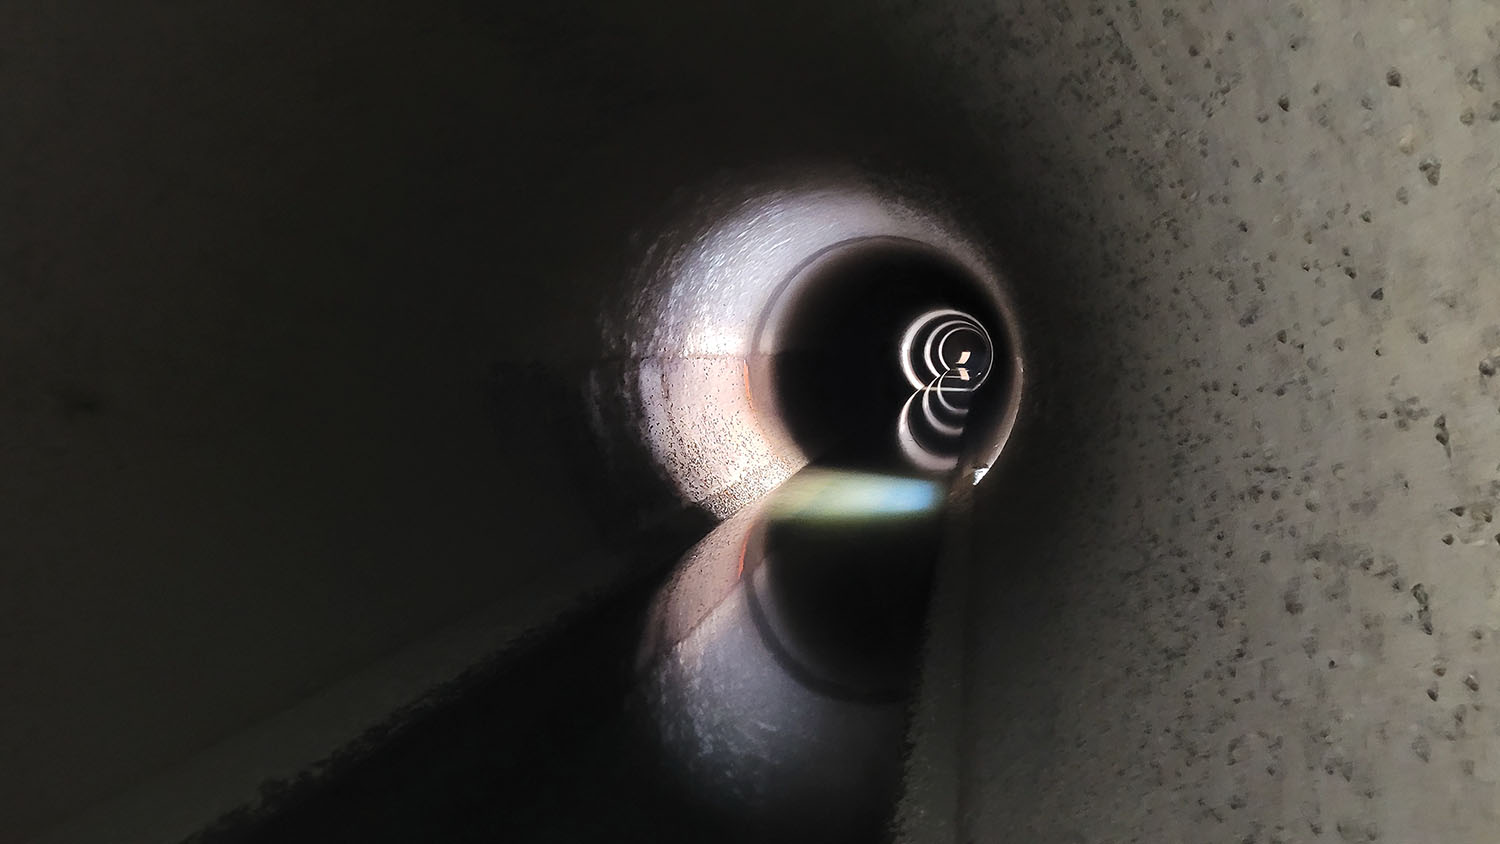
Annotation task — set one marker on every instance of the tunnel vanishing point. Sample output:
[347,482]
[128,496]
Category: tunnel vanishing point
[954,421]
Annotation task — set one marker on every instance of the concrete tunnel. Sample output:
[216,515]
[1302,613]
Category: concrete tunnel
[365,374]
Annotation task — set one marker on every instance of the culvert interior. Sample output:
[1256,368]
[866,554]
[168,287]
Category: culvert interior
[366,372]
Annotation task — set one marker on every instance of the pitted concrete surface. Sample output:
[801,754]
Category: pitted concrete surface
[1266,606]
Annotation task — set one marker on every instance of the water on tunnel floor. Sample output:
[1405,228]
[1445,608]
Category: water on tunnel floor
[759,689]
[760,692]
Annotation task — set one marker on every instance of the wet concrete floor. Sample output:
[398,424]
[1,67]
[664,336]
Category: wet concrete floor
[760,691]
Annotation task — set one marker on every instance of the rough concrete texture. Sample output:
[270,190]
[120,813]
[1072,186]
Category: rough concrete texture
[1238,583]
[1266,608]
[706,318]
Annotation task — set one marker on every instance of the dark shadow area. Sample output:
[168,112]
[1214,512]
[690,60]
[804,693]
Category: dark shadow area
[759,694]
[839,382]
[278,270]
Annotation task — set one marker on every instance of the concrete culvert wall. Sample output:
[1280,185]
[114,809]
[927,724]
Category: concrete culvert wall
[720,296]
[274,283]
[1211,611]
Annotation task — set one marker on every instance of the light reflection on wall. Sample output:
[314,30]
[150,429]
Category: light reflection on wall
[822,495]
[945,355]
[760,719]
[703,289]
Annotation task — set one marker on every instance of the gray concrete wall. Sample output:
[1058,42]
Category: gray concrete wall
[1250,593]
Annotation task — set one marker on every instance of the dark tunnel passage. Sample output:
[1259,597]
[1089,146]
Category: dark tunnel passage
[940,422]
[768,692]
[885,350]
[764,696]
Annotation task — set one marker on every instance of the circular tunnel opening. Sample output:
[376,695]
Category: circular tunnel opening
[889,357]
[765,333]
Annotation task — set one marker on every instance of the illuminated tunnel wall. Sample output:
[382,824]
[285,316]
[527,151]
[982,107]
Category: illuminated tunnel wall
[327,341]
[719,302]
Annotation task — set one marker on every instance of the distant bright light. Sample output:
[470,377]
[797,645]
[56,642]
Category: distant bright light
[818,495]
[715,272]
